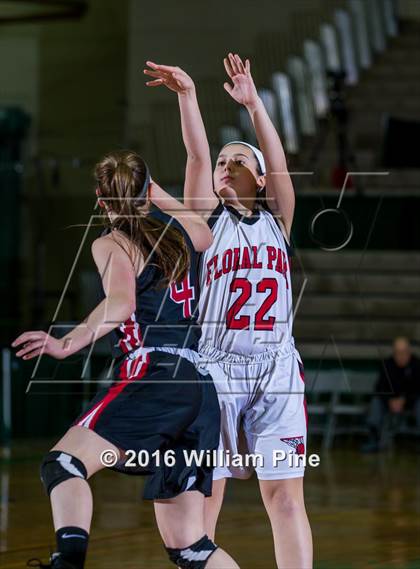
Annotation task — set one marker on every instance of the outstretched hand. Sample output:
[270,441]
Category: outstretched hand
[243,90]
[33,344]
[174,78]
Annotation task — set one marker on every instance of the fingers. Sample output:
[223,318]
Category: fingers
[227,87]
[161,78]
[155,73]
[155,83]
[30,347]
[234,64]
[239,64]
[33,354]
[175,80]
[228,67]
[28,337]
[157,67]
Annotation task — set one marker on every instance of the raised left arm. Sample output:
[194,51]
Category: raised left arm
[279,187]
[198,187]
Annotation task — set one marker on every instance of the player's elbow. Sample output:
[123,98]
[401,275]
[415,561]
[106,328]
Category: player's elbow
[192,204]
[123,306]
[129,307]
[203,238]
[125,312]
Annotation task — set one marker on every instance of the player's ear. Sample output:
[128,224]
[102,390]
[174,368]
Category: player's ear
[260,183]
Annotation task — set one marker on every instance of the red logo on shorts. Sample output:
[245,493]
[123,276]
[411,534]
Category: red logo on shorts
[296,443]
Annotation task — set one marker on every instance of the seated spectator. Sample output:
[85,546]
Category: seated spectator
[397,390]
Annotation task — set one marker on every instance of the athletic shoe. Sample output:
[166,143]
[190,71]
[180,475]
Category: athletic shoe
[55,563]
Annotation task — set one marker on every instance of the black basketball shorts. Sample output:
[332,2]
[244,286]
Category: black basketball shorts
[159,402]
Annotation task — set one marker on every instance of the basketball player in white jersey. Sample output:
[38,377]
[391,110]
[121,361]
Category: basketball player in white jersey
[246,308]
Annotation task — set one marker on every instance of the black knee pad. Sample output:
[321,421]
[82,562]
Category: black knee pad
[59,466]
[195,556]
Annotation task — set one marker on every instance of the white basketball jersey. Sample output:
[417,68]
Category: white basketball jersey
[245,290]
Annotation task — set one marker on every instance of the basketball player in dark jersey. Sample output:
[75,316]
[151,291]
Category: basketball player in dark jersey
[158,402]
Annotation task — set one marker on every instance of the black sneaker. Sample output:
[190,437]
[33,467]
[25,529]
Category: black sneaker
[55,563]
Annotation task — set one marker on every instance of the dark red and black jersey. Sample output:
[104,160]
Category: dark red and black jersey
[163,316]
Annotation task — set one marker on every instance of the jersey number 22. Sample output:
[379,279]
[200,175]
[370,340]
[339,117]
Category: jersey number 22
[236,322]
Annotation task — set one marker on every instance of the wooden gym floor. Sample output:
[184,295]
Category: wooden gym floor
[364,511]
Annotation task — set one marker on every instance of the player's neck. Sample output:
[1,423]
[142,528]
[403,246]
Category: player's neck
[244,207]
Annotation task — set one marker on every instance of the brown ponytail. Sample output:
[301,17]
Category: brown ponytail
[120,177]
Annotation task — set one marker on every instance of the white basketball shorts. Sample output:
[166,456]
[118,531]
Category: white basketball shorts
[264,418]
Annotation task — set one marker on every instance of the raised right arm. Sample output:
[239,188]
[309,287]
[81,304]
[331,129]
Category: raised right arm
[198,187]
[193,223]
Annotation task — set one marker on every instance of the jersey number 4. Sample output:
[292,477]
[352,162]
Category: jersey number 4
[236,322]
[183,295]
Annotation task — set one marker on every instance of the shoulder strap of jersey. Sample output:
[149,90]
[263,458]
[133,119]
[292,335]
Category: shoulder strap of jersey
[214,216]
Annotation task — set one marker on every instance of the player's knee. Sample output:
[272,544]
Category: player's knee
[58,467]
[195,556]
[284,502]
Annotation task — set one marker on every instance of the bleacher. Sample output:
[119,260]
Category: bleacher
[354,302]
[352,305]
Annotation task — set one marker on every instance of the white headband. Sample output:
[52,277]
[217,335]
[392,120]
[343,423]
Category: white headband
[257,153]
